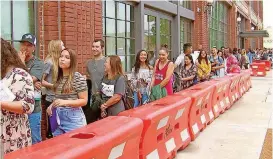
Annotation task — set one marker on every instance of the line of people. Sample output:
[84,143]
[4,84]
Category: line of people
[74,100]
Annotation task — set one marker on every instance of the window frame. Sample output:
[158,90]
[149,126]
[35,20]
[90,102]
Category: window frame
[35,27]
[127,54]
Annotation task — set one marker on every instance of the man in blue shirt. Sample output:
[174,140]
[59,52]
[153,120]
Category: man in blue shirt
[250,56]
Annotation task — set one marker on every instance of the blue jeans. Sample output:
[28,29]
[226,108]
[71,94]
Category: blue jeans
[35,126]
[144,99]
[70,119]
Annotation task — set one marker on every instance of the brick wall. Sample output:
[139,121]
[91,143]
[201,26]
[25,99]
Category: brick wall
[233,41]
[200,26]
[80,23]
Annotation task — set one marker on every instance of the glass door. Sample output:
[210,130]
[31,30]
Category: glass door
[157,32]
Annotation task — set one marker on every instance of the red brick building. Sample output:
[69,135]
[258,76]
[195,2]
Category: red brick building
[129,26]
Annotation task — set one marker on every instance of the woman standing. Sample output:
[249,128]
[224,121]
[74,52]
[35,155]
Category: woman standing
[188,72]
[15,130]
[50,74]
[141,78]
[231,62]
[70,95]
[204,66]
[244,60]
[112,88]
[163,71]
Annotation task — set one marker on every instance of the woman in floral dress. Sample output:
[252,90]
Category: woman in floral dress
[231,62]
[15,131]
[188,72]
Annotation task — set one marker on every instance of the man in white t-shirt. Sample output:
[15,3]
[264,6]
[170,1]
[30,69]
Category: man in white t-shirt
[187,49]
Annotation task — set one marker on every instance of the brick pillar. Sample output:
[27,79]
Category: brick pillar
[232,33]
[200,26]
[247,41]
[80,21]
[81,24]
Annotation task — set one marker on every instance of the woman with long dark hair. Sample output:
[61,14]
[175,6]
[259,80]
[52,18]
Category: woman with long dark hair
[141,78]
[18,85]
[188,72]
[70,95]
[203,66]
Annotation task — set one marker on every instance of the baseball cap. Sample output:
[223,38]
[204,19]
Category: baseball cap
[29,38]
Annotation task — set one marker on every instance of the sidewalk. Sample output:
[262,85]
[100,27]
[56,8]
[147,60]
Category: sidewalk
[238,133]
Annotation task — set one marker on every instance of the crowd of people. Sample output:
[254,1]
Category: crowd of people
[74,100]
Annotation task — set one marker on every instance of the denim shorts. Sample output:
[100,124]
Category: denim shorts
[69,119]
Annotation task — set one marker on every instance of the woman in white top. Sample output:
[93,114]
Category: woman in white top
[142,74]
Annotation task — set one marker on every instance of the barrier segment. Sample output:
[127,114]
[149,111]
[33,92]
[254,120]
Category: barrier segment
[258,69]
[165,126]
[248,78]
[201,109]
[234,88]
[267,64]
[220,97]
[110,138]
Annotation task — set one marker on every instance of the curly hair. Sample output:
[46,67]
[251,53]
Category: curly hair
[9,57]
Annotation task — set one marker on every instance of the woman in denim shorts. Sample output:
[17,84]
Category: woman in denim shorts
[70,95]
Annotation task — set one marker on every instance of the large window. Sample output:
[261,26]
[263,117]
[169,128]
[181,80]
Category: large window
[185,4]
[118,31]
[17,18]
[218,25]
[185,32]
[150,34]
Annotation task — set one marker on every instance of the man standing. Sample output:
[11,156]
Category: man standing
[95,70]
[35,67]
[187,50]
[217,63]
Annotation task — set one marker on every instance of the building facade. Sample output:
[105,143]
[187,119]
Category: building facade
[129,26]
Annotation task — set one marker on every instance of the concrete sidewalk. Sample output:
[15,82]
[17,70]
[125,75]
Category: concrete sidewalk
[238,133]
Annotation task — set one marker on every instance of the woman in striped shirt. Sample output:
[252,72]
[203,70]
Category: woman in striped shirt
[70,95]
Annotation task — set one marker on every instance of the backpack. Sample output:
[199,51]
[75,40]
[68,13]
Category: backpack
[128,98]
[176,82]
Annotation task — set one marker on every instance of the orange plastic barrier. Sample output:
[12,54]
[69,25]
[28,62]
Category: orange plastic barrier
[201,113]
[245,82]
[220,98]
[110,138]
[234,93]
[267,64]
[165,126]
[258,69]
[248,78]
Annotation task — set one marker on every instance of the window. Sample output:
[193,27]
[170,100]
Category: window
[218,25]
[150,35]
[19,20]
[185,4]
[185,32]
[118,32]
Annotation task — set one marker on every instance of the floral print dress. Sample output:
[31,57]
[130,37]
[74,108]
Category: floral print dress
[233,65]
[15,130]
[187,73]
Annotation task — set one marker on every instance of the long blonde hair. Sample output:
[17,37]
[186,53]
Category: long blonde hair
[54,52]
[243,52]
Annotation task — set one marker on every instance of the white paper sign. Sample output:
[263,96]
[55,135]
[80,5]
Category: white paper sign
[108,90]
[5,93]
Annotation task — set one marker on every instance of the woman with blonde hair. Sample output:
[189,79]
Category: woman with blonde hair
[50,74]
[112,88]
[70,95]
[244,60]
